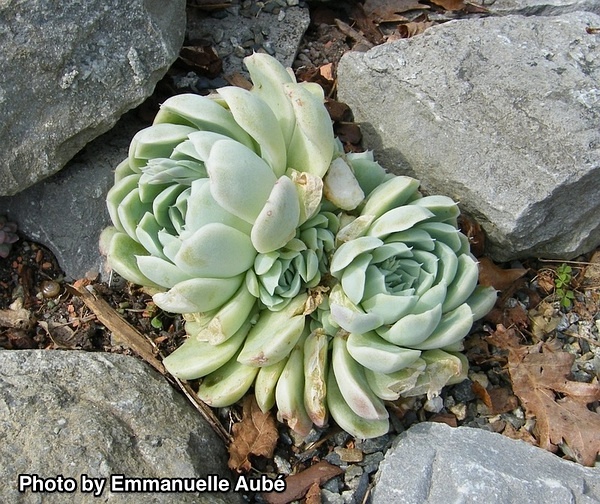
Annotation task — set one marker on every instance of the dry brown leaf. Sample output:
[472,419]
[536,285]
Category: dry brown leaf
[559,405]
[256,434]
[348,132]
[451,5]
[446,418]
[382,11]
[522,434]
[499,278]
[503,338]
[515,316]
[338,111]
[474,232]
[298,485]
[313,496]
[498,400]
[201,58]
[410,29]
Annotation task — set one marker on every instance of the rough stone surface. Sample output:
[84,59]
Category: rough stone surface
[232,34]
[70,70]
[67,211]
[434,463]
[501,114]
[540,7]
[73,413]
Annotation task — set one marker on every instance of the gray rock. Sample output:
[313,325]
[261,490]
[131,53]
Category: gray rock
[70,70]
[73,413]
[67,211]
[540,7]
[433,463]
[232,34]
[501,114]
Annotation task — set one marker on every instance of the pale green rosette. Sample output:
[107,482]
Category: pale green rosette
[216,184]
[407,277]
[313,275]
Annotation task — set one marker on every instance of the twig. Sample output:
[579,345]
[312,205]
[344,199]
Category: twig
[108,316]
[144,348]
[347,30]
[582,263]
[589,340]
[204,410]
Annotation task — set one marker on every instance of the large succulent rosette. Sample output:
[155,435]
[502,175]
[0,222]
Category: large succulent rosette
[311,275]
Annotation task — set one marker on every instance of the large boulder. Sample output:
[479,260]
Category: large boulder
[239,30]
[437,464]
[67,211]
[540,7]
[73,413]
[69,70]
[501,114]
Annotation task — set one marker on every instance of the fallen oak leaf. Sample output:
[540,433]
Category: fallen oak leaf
[382,11]
[299,484]
[313,496]
[256,434]
[499,278]
[514,316]
[474,232]
[450,5]
[559,405]
[411,29]
[498,400]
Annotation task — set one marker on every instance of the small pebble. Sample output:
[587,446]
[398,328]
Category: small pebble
[371,462]
[334,459]
[463,392]
[283,465]
[348,497]
[353,472]
[328,497]
[341,438]
[515,421]
[373,445]
[459,411]
[349,454]
[361,488]
[434,405]
[334,484]
[480,378]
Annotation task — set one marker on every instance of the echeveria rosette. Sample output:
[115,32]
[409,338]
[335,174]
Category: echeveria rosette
[216,182]
[407,290]
[279,276]
[314,275]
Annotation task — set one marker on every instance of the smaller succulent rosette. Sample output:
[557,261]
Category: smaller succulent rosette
[408,278]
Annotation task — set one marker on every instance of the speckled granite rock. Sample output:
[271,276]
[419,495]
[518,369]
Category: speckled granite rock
[71,413]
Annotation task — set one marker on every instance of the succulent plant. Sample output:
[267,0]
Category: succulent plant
[8,236]
[326,283]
